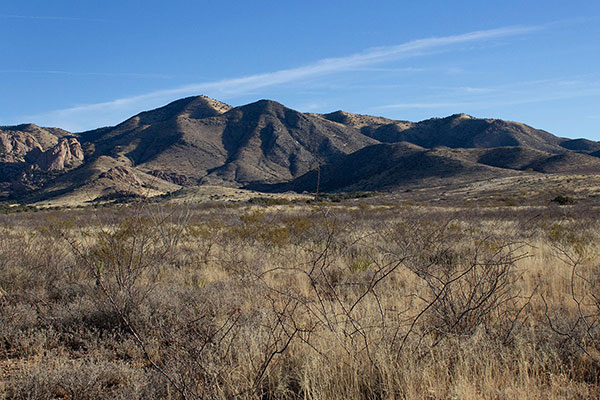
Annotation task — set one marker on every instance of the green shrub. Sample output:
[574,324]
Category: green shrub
[563,200]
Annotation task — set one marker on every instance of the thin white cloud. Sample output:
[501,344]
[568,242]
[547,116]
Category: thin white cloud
[425,105]
[49,18]
[310,107]
[464,89]
[75,73]
[544,94]
[92,115]
[393,70]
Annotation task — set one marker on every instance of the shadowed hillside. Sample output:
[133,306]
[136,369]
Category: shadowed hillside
[459,130]
[397,166]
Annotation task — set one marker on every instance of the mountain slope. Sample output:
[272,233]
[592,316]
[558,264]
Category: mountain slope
[392,166]
[262,141]
[389,166]
[583,145]
[265,145]
[459,131]
[267,142]
[145,135]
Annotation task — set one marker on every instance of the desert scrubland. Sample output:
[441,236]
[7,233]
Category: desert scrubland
[300,300]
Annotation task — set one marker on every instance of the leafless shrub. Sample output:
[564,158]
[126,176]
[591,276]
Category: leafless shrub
[578,321]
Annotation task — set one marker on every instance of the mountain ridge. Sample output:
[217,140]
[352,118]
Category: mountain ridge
[265,145]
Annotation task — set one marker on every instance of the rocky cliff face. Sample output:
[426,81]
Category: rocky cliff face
[15,147]
[31,156]
[67,153]
[32,147]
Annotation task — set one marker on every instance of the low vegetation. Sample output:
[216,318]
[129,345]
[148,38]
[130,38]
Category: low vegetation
[288,300]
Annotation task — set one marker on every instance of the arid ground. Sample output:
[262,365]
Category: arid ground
[486,291]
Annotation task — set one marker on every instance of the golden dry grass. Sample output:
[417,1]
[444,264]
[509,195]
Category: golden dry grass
[300,301]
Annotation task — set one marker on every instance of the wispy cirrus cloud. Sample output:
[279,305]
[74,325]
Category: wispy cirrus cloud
[76,73]
[465,106]
[49,18]
[461,98]
[93,115]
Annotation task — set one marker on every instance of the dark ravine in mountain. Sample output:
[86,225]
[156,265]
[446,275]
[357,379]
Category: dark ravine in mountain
[267,146]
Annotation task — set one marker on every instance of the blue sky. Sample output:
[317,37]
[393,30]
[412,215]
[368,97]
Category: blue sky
[85,64]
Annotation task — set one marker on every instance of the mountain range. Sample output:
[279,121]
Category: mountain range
[266,146]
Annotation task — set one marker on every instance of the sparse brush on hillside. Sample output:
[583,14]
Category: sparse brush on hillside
[299,302]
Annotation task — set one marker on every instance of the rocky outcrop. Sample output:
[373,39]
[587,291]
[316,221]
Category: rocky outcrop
[172,177]
[31,156]
[44,151]
[67,153]
[122,175]
[16,147]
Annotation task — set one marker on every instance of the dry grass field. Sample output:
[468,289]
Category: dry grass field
[374,298]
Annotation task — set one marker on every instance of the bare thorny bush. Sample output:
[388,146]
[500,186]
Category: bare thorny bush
[455,292]
[578,319]
[320,303]
[468,286]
